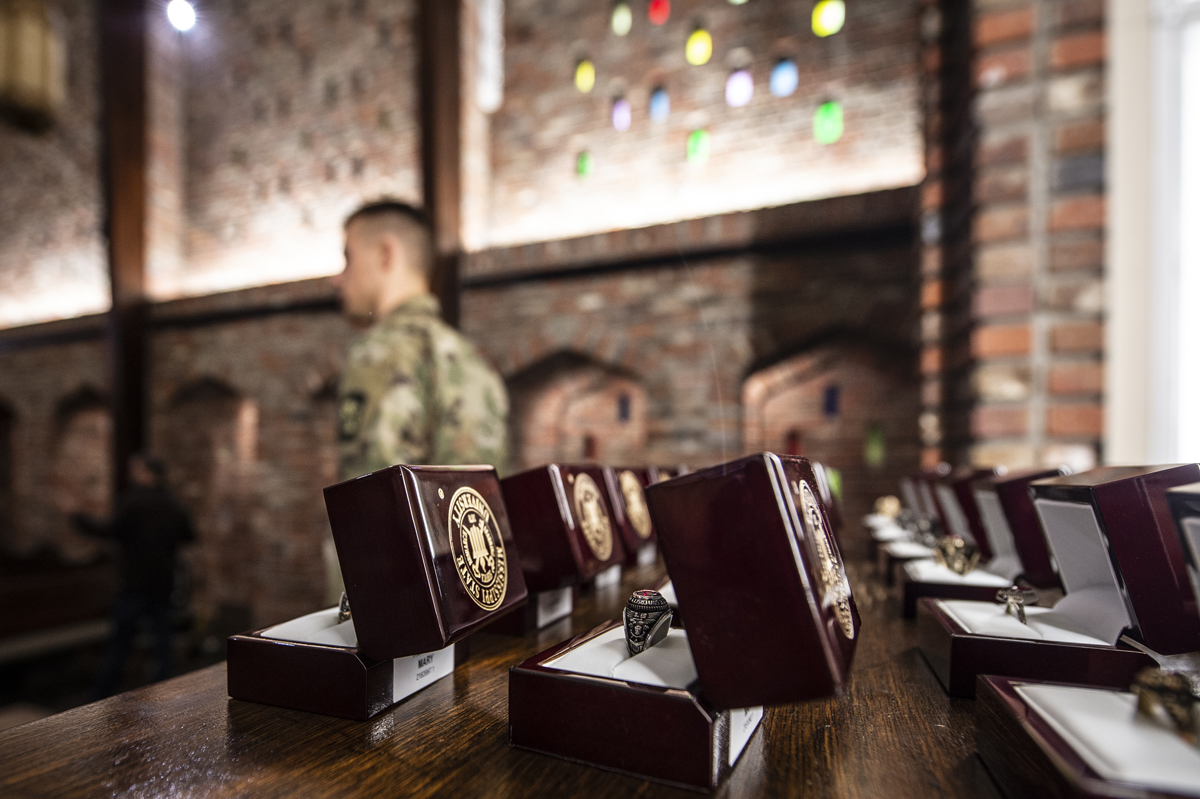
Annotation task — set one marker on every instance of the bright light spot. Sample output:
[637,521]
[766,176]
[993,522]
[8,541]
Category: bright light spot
[828,123]
[622,19]
[622,114]
[660,105]
[739,89]
[784,78]
[181,14]
[659,11]
[737,2]
[828,17]
[585,76]
[584,164]
[699,146]
[699,47]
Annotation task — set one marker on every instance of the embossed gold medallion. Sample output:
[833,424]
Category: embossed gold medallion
[635,504]
[835,588]
[593,518]
[477,548]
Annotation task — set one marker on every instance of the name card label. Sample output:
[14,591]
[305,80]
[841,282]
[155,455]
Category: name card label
[554,605]
[411,674]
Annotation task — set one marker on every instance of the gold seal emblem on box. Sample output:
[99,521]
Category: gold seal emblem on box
[477,548]
[835,588]
[635,503]
[593,518]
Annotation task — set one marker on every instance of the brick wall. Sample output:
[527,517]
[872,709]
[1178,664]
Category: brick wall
[296,113]
[762,154]
[51,253]
[1014,290]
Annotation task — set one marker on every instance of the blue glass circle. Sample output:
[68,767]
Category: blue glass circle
[660,105]
[784,78]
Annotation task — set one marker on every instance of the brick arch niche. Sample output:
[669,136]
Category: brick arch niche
[849,405]
[209,440]
[569,407]
[81,468]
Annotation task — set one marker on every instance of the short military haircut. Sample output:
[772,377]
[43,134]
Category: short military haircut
[407,222]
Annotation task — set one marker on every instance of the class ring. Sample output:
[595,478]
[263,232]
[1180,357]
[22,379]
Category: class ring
[647,620]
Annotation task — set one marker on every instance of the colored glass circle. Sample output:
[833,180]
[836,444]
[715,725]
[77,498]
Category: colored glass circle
[622,19]
[585,76]
[699,47]
[659,11]
[737,2]
[660,105]
[828,17]
[828,123]
[785,77]
[739,88]
[584,164]
[622,114]
[699,146]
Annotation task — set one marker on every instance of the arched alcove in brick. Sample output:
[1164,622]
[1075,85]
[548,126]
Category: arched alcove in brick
[81,468]
[828,400]
[569,407]
[208,438]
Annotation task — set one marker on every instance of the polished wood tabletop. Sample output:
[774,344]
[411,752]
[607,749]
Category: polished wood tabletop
[895,733]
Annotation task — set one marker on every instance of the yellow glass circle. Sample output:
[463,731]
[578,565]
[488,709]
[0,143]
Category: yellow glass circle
[699,47]
[828,17]
[585,76]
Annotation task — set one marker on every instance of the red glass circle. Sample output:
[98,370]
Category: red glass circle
[660,11]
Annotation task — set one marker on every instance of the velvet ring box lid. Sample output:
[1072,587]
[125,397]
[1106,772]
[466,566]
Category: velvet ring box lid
[426,553]
[627,497]
[563,523]
[1185,505]
[1013,529]
[960,514]
[757,573]
[1136,578]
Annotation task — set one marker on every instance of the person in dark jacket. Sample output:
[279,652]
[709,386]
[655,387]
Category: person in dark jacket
[148,527]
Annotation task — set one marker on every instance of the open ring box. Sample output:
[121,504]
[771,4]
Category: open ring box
[770,620]
[998,536]
[563,524]
[898,551]
[1064,741]
[1121,565]
[427,558]
[627,496]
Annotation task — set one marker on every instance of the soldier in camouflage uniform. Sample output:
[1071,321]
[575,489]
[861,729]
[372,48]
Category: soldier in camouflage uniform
[413,389]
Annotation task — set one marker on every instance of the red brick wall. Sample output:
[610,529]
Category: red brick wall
[296,113]
[51,253]
[762,154]
[1014,312]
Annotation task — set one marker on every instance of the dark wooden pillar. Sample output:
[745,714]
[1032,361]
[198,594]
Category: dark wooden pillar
[441,146]
[124,32]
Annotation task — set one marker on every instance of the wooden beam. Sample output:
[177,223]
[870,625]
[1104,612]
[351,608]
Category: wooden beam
[441,147]
[124,27]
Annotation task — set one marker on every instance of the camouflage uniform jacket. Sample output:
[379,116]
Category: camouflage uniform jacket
[414,390]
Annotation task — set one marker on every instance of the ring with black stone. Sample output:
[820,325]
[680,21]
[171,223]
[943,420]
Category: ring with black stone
[647,620]
[344,608]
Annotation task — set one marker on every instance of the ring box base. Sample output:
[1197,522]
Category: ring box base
[543,609]
[331,680]
[957,657]
[1027,756]
[667,735]
[915,591]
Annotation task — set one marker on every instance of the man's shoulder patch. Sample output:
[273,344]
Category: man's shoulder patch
[350,415]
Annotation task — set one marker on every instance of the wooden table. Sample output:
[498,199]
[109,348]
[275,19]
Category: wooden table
[894,734]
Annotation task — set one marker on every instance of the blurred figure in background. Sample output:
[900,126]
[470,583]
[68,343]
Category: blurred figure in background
[148,527]
[413,389]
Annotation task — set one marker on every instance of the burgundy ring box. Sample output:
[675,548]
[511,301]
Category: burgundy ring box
[1121,566]
[1074,742]
[960,514]
[1185,505]
[563,524]
[770,621]
[627,496]
[1003,506]
[427,558]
